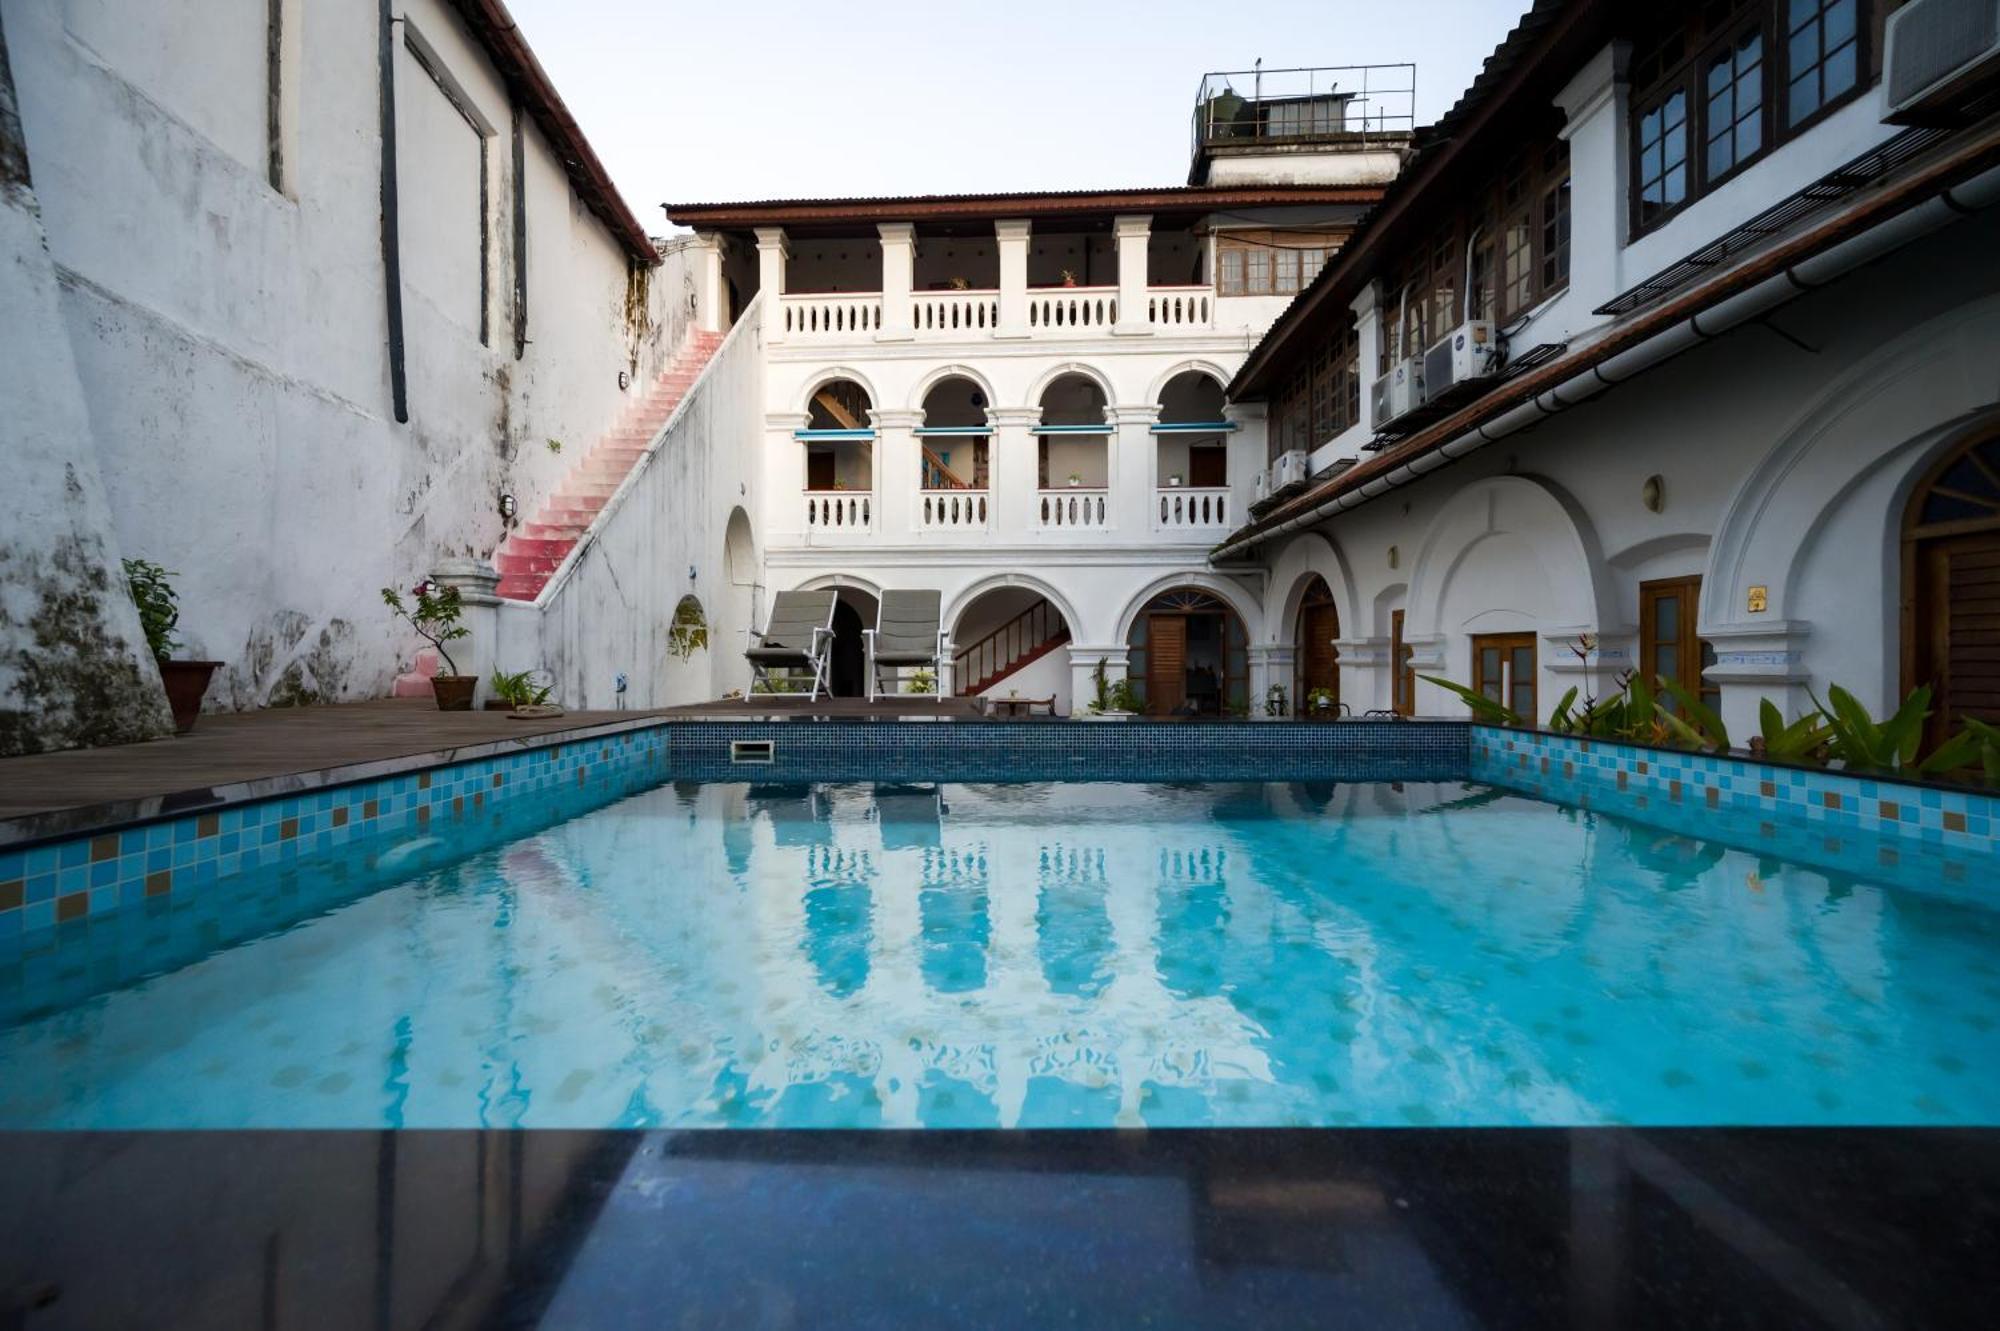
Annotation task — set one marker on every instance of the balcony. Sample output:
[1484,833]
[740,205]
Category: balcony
[1072,508]
[953,511]
[964,316]
[830,514]
[1185,509]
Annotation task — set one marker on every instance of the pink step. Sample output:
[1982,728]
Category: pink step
[510,564]
[523,588]
[417,682]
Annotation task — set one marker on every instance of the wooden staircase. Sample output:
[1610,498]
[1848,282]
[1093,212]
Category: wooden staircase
[1021,641]
[529,557]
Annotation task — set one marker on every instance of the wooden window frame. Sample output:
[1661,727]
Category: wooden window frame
[1321,398]
[1684,72]
[1688,642]
[1402,668]
[1261,258]
[1507,644]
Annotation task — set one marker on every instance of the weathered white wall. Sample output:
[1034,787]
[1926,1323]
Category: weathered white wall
[231,337]
[73,664]
[664,536]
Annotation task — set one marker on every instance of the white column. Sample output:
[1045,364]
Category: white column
[1011,470]
[898,267]
[898,475]
[1249,454]
[1132,472]
[1083,662]
[1593,106]
[1132,234]
[1365,674]
[784,476]
[771,255]
[1367,309]
[478,654]
[1755,661]
[708,288]
[1271,663]
[1012,237]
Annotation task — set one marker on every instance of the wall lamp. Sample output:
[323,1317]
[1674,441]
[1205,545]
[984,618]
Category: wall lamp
[509,506]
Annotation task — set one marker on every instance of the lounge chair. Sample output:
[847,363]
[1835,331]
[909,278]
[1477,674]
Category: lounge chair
[798,635]
[908,631]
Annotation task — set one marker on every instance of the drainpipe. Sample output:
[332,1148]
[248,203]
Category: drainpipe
[392,258]
[1973,196]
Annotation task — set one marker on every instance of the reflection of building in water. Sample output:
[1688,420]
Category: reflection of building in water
[952,987]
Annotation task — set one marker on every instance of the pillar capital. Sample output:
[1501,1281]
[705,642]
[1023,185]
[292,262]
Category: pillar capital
[896,418]
[773,238]
[1001,418]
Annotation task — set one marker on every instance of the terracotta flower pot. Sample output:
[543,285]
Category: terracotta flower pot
[454,692]
[186,681]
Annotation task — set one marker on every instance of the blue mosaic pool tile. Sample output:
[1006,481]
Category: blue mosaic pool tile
[89,877]
[1927,833]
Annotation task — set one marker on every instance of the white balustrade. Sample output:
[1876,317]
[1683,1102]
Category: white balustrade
[1185,509]
[952,510]
[955,313]
[1074,507]
[1180,307]
[848,314]
[1072,309]
[833,511]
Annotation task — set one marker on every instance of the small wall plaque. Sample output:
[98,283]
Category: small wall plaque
[1760,600]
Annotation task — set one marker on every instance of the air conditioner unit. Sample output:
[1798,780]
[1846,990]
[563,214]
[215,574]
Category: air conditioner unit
[1399,391]
[1940,57]
[1290,468]
[1470,351]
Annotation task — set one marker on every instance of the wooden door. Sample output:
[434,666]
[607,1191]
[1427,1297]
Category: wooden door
[1208,467]
[1503,668]
[1403,697]
[1166,664]
[1319,660]
[1957,629]
[1668,645]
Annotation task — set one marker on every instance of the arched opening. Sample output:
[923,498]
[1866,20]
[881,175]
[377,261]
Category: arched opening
[738,608]
[1189,655]
[1073,461]
[1315,660]
[1191,444]
[839,440]
[1951,586]
[954,440]
[1008,643]
[854,609]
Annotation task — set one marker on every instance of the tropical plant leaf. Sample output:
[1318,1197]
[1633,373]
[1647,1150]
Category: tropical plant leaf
[1697,719]
[1483,707]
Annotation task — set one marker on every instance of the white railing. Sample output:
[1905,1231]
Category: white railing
[955,313]
[846,315]
[1077,309]
[1074,507]
[952,510]
[1180,307]
[830,511]
[1184,509]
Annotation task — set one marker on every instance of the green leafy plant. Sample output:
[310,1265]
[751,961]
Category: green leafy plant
[1689,719]
[435,615]
[1986,741]
[1484,709]
[555,445]
[922,681]
[1799,741]
[1123,697]
[1860,743]
[158,603]
[1276,701]
[1101,691]
[519,690]
[1321,700]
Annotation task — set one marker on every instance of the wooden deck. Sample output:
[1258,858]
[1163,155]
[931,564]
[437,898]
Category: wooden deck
[237,749]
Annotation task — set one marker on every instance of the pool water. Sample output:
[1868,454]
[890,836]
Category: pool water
[1062,955]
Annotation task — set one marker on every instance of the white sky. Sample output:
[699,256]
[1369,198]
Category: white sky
[748,99]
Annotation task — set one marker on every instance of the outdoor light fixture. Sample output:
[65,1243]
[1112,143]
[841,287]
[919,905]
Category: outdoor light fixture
[624,381]
[690,572]
[508,506]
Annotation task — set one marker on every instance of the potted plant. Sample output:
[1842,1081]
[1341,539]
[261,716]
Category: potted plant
[960,284]
[1320,704]
[159,611]
[1114,701]
[1075,480]
[922,681]
[517,691]
[436,618]
[1174,480]
[1068,278]
[1277,702]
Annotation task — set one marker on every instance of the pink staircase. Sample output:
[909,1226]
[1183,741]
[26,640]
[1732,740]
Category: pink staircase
[530,556]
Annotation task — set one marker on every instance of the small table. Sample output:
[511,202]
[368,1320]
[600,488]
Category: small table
[1015,708]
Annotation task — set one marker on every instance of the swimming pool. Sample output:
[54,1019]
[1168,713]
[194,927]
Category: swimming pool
[1089,954]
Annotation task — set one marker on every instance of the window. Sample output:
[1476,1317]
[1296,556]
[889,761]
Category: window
[1555,226]
[1403,685]
[1733,105]
[1503,668]
[1668,647]
[1823,55]
[1268,263]
[1715,86]
[1321,398]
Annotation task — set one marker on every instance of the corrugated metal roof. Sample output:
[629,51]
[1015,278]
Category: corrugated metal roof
[1027,203]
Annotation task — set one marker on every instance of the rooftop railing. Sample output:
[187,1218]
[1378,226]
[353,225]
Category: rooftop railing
[1357,104]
